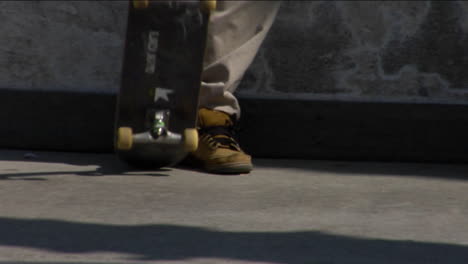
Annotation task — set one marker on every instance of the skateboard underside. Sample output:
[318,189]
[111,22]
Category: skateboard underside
[160,83]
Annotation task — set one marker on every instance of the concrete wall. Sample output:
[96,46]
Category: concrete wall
[346,50]
[404,51]
[61,45]
[378,80]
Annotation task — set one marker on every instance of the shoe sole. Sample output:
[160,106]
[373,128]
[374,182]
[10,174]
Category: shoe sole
[231,169]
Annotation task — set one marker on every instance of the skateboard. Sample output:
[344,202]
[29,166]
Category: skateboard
[157,102]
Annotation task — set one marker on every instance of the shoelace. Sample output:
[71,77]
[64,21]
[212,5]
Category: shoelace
[220,137]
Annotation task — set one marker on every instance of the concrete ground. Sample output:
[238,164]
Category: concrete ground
[90,208]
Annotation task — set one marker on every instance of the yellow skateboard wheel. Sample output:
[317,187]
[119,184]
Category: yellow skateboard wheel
[191,139]
[208,5]
[140,4]
[124,138]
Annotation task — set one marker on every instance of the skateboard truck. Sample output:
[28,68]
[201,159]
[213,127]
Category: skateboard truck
[157,135]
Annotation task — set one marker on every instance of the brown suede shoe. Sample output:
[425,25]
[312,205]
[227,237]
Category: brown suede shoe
[218,151]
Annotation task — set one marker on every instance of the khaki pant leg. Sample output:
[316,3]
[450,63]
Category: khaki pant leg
[236,31]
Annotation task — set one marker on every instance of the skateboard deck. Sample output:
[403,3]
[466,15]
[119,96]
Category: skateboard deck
[157,101]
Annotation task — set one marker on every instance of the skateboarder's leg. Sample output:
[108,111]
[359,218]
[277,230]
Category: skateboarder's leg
[236,32]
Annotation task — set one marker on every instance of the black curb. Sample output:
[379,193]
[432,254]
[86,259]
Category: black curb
[270,128]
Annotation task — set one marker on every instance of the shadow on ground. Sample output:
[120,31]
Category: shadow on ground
[104,164]
[109,164]
[172,242]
